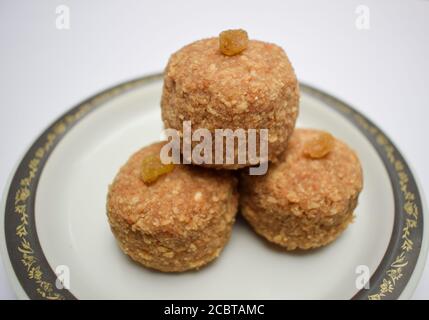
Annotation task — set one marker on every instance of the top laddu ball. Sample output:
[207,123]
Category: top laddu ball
[231,82]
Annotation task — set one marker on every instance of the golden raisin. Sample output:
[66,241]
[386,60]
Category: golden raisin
[152,168]
[319,146]
[232,42]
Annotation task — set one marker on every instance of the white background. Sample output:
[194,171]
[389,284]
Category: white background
[383,71]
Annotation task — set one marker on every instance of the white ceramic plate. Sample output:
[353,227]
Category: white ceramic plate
[54,215]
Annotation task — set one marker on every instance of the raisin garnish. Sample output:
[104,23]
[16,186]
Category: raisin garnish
[232,42]
[152,168]
[319,146]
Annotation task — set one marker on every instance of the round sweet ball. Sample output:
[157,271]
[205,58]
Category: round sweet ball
[179,221]
[255,88]
[307,199]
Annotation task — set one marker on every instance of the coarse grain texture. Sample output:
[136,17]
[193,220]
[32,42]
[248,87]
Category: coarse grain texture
[179,222]
[255,89]
[303,202]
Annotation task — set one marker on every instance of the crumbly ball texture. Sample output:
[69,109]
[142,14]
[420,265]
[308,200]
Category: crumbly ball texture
[179,222]
[255,89]
[303,202]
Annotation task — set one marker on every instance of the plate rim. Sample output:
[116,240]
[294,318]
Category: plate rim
[386,285]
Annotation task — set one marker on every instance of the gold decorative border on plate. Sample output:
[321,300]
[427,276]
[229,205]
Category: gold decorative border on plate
[32,262]
[28,258]
[395,272]
[407,207]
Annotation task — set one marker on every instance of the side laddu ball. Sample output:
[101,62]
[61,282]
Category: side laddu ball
[307,199]
[171,217]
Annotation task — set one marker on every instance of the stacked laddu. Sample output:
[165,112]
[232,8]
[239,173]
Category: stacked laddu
[177,217]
